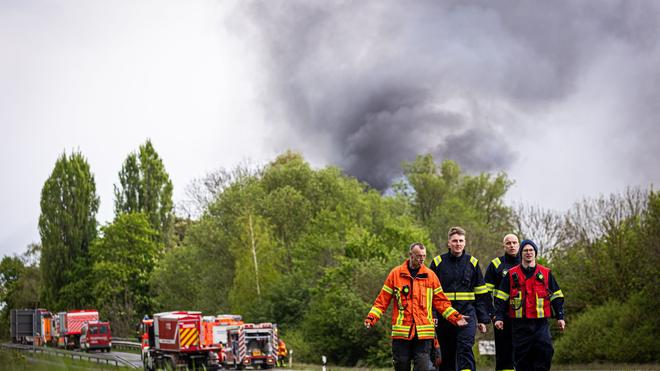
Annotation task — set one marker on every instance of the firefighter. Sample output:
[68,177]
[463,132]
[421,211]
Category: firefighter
[282,352]
[497,269]
[529,294]
[464,285]
[415,291]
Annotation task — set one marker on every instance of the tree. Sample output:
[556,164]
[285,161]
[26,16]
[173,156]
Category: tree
[145,187]
[444,197]
[124,258]
[19,287]
[591,219]
[609,249]
[176,279]
[201,192]
[611,282]
[430,185]
[67,226]
[542,225]
[259,261]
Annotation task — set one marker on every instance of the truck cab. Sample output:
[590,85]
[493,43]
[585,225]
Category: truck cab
[96,335]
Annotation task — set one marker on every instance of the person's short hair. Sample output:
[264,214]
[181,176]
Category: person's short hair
[412,246]
[455,230]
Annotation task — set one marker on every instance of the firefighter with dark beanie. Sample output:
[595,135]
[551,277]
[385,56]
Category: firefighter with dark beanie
[529,295]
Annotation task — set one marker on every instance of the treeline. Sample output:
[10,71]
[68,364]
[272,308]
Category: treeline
[309,249]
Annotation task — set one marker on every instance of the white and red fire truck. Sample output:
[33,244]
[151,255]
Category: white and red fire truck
[173,340]
[67,326]
[247,344]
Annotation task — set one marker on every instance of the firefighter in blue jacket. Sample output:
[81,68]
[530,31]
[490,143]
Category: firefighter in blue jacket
[497,269]
[529,295]
[463,283]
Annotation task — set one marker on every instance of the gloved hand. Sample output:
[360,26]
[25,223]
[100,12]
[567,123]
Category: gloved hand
[370,321]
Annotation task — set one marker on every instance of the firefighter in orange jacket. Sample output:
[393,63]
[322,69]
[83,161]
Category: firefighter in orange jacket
[281,353]
[416,291]
[529,295]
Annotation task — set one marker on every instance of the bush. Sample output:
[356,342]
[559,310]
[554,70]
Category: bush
[614,332]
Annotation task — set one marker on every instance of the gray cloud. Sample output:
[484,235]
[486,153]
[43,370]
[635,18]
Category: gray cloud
[374,83]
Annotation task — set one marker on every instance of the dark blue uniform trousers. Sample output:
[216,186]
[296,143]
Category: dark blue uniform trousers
[456,342]
[532,344]
[504,347]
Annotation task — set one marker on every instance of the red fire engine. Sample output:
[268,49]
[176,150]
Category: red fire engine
[67,327]
[247,344]
[178,339]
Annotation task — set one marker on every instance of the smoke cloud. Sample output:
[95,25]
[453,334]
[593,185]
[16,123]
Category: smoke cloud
[368,84]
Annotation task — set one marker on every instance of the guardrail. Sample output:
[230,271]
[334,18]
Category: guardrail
[107,359]
[124,339]
[120,344]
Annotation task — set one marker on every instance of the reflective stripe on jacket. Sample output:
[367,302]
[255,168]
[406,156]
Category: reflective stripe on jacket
[529,297]
[463,283]
[414,300]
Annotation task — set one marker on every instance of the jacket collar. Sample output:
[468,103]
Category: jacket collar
[423,270]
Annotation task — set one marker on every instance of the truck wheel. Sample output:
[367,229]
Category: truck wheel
[170,364]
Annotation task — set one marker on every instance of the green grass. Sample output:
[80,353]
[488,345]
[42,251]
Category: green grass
[589,367]
[18,361]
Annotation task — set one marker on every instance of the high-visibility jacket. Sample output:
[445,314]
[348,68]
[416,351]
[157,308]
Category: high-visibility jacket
[496,271]
[281,349]
[530,297]
[414,299]
[463,283]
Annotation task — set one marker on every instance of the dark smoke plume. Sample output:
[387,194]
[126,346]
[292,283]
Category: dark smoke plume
[369,84]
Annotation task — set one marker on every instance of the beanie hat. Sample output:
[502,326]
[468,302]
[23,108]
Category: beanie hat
[528,242]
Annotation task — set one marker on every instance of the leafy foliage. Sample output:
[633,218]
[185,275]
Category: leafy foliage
[67,226]
[443,196]
[19,287]
[619,267]
[627,324]
[124,258]
[145,187]
[309,249]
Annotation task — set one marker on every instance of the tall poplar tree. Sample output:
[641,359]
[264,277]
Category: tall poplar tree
[145,186]
[67,226]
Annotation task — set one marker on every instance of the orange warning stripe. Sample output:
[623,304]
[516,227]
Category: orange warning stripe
[188,336]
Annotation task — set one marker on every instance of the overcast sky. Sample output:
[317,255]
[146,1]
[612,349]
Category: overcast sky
[563,96]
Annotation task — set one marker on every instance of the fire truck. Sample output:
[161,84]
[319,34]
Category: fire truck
[178,339]
[66,327]
[247,344]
